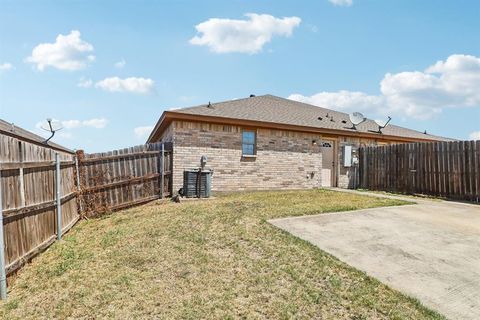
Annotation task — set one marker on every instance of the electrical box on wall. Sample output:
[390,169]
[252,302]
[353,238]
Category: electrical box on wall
[347,156]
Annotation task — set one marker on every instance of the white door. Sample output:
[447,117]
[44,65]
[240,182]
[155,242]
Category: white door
[327,163]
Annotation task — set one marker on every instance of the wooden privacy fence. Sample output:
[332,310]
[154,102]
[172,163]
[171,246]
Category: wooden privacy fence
[88,184]
[28,197]
[123,178]
[445,169]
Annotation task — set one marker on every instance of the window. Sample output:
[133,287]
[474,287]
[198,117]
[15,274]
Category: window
[248,143]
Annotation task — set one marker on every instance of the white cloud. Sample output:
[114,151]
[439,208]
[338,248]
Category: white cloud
[142,132]
[59,135]
[6,66]
[97,123]
[71,124]
[450,83]
[85,83]
[416,94]
[475,135]
[413,94]
[120,64]
[245,36]
[134,85]
[460,78]
[346,101]
[344,3]
[68,52]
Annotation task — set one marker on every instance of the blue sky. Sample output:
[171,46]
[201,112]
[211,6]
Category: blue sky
[120,64]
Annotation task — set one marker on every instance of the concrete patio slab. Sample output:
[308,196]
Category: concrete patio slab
[429,250]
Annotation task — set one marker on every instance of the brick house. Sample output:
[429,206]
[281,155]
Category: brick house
[268,142]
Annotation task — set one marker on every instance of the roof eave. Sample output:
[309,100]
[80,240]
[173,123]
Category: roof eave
[169,116]
[159,127]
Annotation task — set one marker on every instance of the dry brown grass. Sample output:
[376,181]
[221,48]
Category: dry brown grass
[208,259]
[413,197]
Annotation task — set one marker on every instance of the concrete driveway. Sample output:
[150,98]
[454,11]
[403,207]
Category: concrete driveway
[429,250]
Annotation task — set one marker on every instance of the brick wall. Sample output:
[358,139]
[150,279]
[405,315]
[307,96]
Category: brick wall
[284,160]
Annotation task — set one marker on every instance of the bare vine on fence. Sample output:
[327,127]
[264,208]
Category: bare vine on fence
[93,202]
[115,183]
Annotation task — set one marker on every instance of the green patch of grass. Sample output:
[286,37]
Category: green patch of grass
[206,259]
[69,256]
[12,304]
[111,238]
[404,195]
[123,280]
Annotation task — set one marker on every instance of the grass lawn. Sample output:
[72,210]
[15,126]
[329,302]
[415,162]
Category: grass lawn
[205,259]
[403,195]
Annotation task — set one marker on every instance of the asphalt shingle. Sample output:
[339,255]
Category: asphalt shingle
[273,109]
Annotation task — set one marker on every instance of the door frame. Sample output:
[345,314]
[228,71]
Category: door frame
[336,169]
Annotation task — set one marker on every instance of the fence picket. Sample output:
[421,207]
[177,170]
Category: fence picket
[448,169]
[28,194]
[121,178]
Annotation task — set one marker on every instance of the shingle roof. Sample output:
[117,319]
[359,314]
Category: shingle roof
[13,130]
[273,109]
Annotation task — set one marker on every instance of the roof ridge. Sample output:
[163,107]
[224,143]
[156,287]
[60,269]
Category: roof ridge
[344,113]
[220,102]
[275,109]
[309,105]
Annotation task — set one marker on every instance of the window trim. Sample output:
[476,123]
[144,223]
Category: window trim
[254,142]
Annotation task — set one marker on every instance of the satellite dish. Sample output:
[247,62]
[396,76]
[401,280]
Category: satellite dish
[51,126]
[382,124]
[356,118]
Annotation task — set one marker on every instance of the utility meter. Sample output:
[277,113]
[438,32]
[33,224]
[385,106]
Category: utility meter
[355,160]
[203,161]
[354,156]
[347,156]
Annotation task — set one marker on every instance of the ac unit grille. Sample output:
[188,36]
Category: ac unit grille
[196,183]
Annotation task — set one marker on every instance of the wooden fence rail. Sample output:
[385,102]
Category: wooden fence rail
[444,169]
[90,184]
[122,178]
[27,178]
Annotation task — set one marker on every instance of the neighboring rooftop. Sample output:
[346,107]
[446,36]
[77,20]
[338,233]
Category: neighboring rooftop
[15,131]
[277,110]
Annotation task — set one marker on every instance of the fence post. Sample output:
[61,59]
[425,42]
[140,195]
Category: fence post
[58,196]
[79,189]
[162,170]
[3,276]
